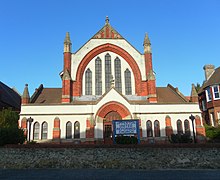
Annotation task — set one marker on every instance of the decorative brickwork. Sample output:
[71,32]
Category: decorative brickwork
[77,86]
[113,106]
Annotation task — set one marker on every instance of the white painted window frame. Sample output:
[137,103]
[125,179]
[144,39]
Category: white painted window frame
[216,92]
[207,91]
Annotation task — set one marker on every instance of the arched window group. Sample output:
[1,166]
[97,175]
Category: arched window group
[36,130]
[180,127]
[150,128]
[43,129]
[108,77]
[69,134]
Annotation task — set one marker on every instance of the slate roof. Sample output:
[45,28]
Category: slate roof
[170,95]
[9,98]
[214,79]
[49,96]
[167,95]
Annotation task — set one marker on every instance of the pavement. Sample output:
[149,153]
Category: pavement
[202,174]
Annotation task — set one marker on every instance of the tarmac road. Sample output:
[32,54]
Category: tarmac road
[108,174]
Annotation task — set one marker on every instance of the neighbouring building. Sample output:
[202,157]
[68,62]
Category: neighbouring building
[108,79]
[9,98]
[209,96]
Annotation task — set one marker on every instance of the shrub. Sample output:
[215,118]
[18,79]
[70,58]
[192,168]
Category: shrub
[180,138]
[9,131]
[126,140]
[213,133]
[11,135]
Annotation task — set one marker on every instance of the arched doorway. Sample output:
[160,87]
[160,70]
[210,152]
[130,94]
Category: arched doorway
[107,125]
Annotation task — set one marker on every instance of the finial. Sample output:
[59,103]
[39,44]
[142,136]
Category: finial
[26,92]
[67,43]
[147,44]
[67,38]
[194,91]
[106,20]
[146,40]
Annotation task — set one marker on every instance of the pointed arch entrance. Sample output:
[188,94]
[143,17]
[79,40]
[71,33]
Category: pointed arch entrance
[111,111]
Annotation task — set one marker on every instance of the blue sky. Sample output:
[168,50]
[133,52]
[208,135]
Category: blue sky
[185,35]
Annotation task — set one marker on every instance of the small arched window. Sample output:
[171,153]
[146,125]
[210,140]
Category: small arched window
[98,76]
[149,129]
[88,82]
[128,89]
[156,128]
[76,130]
[187,127]
[179,127]
[44,130]
[36,130]
[118,74]
[69,130]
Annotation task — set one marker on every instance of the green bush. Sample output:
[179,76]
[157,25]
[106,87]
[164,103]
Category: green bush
[9,131]
[213,133]
[11,135]
[180,138]
[126,140]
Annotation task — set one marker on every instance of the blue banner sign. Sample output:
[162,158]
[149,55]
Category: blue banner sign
[125,127]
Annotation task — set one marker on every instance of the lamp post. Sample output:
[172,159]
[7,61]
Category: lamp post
[29,120]
[192,119]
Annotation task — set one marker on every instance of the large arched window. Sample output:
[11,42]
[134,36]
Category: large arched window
[76,130]
[68,130]
[44,130]
[88,82]
[98,76]
[179,127]
[108,72]
[187,127]
[118,74]
[156,128]
[128,89]
[36,130]
[149,129]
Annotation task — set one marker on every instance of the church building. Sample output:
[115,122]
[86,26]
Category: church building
[104,80]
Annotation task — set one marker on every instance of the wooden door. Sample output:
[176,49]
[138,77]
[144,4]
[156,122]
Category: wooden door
[107,123]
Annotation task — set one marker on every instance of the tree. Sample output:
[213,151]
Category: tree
[198,87]
[9,131]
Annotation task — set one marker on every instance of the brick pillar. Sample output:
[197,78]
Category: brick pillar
[200,130]
[151,81]
[24,126]
[56,129]
[89,129]
[151,84]
[168,128]
[66,87]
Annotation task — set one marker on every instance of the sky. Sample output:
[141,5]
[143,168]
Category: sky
[184,34]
